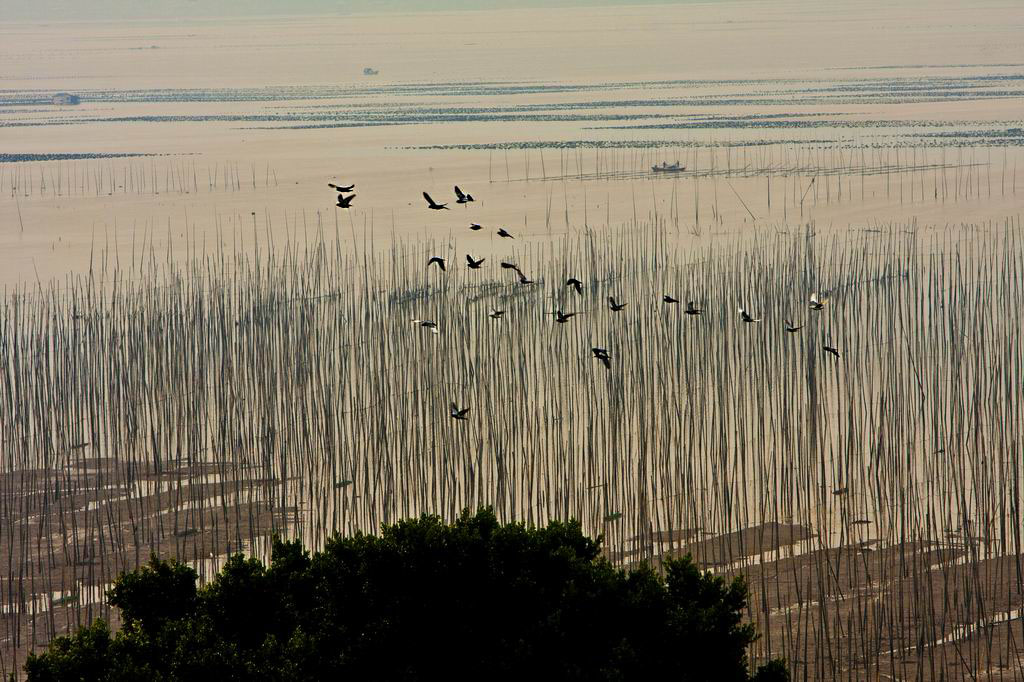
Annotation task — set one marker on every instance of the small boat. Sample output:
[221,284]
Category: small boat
[666,167]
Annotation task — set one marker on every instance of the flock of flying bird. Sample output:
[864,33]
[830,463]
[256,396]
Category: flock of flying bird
[600,354]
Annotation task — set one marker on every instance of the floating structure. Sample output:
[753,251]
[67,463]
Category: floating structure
[64,98]
[370,71]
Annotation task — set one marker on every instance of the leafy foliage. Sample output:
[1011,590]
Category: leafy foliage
[425,600]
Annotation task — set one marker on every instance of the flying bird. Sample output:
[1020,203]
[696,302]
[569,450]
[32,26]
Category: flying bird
[495,314]
[830,349]
[616,307]
[503,233]
[746,317]
[816,303]
[602,355]
[474,264]
[523,279]
[346,188]
[456,413]
[345,202]
[575,284]
[461,197]
[790,328]
[427,324]
[692,309]
[475,226]
[561,317]
[438,260]
[668,299]
[433,204]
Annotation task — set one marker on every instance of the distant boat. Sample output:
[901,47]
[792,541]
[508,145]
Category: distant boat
[65,98]
[370,71]
[668,168]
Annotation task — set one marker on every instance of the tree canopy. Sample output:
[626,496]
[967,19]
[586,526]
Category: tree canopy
[424,600]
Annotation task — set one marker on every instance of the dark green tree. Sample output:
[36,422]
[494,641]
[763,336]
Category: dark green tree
[475,599]
[151,596]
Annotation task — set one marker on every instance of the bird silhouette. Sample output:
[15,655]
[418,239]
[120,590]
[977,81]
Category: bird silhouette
[830,349]
[668,299]
[575,284]
[462,198]
[790,328]
[346,188]
[817,304]
[562,318]
[503,233]
[345,202]
[427,324]
[456,413]
[474,264]
[602,355]
[523,279]
[692,309]
[475,226]
[495,314]
[616,307]
[746,317]
[433,204]
[509,266]
[438,260]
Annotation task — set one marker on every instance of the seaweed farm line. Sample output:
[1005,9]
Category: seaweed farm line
[873,500]
[939,173]
[178,175]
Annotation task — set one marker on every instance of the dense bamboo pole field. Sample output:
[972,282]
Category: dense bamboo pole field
[873,500]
